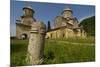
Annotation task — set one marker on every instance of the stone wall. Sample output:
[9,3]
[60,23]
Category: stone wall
[22,30]
[65,33]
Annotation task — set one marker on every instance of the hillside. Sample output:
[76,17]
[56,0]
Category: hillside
[89,25]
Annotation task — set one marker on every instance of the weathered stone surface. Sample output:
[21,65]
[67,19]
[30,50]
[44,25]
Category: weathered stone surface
[66,18]
[36,43]
[23,25]
[66,26]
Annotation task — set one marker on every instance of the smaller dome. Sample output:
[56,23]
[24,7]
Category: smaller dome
[28,7]
[67,9]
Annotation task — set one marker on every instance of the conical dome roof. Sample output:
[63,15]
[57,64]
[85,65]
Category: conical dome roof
[28,7]
[67,9]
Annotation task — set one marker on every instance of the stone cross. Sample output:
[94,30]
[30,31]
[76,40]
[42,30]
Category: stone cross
[36,44]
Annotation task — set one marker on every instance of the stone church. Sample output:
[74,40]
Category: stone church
[65,25]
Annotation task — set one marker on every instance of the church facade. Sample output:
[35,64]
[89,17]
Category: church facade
[65,25]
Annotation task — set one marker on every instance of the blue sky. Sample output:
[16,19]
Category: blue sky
[46,11]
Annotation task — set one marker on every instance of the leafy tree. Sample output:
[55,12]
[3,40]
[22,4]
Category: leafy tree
[89,25]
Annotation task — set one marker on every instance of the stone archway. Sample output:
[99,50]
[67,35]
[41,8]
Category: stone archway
[24,36]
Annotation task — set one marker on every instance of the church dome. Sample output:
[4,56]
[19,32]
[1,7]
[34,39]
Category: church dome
[69,9]
[28,7]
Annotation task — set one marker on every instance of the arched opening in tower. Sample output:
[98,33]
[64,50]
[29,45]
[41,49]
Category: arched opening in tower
[24,36]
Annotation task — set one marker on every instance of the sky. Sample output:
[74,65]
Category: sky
[46,12]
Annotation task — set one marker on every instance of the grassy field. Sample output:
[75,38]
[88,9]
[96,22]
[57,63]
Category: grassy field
[56,51]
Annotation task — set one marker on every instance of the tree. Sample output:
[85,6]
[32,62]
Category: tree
[49,26]
[89,25]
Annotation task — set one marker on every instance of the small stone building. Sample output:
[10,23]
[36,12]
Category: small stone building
[23,25]
[66,26]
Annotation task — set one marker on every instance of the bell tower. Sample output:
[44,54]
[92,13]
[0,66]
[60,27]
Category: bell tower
[23,25]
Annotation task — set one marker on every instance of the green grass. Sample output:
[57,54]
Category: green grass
[78,40]
[18,51]
[55,52]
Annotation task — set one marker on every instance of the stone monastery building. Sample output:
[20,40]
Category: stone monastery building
[65,25]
